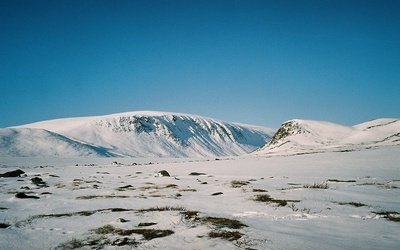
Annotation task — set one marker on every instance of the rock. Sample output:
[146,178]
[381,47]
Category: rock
[122,220]
[38,181]
[4,225]
[124,242]
[15,173]
[146,224]
[163,173]
[24,196]
[197,173]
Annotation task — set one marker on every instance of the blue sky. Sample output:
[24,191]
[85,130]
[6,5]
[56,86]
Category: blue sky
[256,62]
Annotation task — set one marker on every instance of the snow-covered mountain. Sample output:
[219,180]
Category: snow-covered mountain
[134,134]
[23,142]
[307,136]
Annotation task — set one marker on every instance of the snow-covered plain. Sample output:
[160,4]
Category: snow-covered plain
[357,209]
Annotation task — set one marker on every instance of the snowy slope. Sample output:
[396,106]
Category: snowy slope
[156,134]
[307,136]
[23,142]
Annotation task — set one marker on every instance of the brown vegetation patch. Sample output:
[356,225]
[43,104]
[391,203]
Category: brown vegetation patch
[89,197]
[336,180]
[317,185]
[239,184]
[223,222]
[148,234]
[161,209]
[268,199]
[226,235]
[258,190]
[354,204]
[389,215]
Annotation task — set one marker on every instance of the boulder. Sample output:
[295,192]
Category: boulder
[24,196]
[163,173]
[15,173]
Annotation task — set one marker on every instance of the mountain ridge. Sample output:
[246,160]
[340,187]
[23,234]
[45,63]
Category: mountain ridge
[158,134]
[167,134]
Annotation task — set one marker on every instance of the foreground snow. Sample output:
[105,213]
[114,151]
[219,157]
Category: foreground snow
[357,210]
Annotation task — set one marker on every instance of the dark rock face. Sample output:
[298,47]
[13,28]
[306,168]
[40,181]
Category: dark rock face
[15,173]
[287,129]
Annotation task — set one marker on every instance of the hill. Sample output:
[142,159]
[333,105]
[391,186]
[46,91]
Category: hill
[25,142]
[146,134]
[307,136]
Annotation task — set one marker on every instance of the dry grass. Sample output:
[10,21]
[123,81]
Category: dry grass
[223,222]
[60,185]
[107,229]
[156,187]
[258,190]
[162,209]
[239,184]
[226,235]
[379,185]
[72,244]
[88,197]
[389,215]
[188,190]
[191,215]
[148,234]
[317,185]
[268,199]
[336,180]
[354,204]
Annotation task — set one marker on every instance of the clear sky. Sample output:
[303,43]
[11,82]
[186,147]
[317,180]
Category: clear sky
[255,62]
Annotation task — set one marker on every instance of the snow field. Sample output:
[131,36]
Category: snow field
[94,194]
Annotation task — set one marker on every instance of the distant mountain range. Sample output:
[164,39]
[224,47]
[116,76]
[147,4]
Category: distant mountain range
[162,134]
[305,136]
[134,134]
